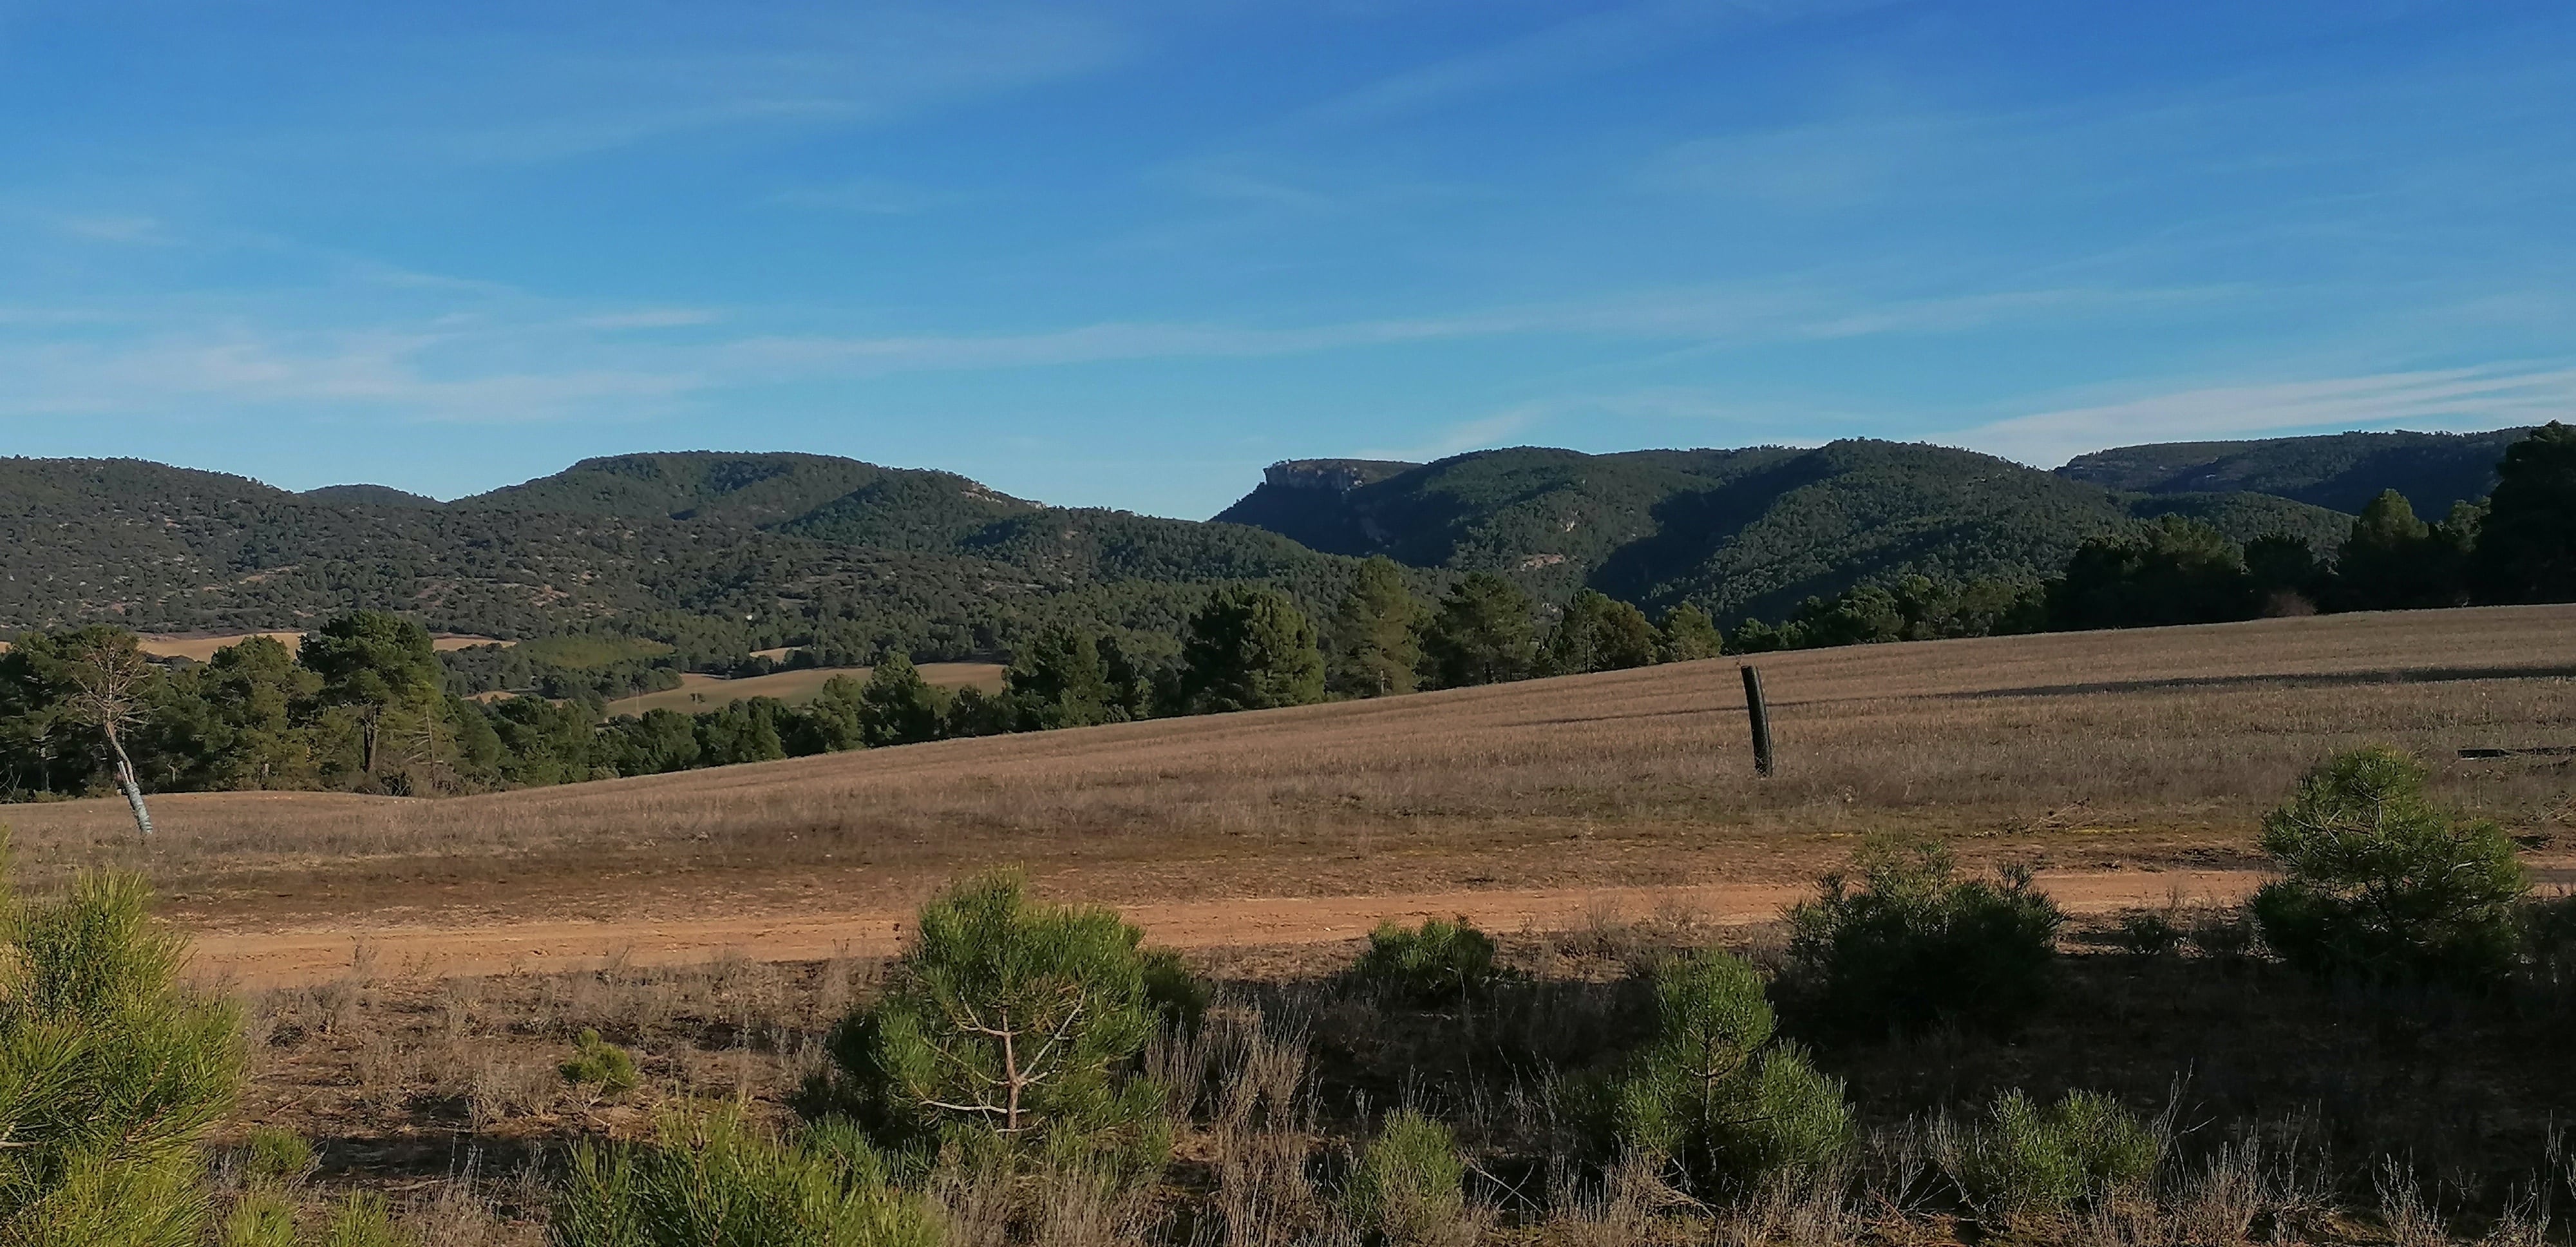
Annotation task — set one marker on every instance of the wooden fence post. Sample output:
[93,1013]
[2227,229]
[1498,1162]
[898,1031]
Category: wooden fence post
[1758,712]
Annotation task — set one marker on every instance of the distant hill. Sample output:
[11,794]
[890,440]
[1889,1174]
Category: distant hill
[725,553]
[1750,531]
[369,495]
[2343,471]
[748,549]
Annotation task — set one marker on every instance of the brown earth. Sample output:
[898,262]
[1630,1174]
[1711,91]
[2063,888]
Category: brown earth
[305,956]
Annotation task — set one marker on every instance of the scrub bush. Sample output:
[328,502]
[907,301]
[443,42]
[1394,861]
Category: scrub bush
[1436,963]
[598,1063]
[2026,1159]
[1407,1184]
[710,1179]
[1914,945]
[2376,883]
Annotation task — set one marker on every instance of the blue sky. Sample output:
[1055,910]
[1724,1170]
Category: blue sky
[1125,254]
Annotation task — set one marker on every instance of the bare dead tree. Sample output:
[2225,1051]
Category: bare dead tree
[108,681]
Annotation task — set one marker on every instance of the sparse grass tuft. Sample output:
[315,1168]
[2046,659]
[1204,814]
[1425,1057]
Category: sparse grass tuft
[1406,1186]
[599,1064]
[710,1177]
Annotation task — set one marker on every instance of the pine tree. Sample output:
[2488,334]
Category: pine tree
[1250,649]
[110,1073]
[1688,635]
[2394,561]
[898,707]
[1057,680]
[2526,549]
[1481,634]
[1374,637]
[1598,633]
[375,665]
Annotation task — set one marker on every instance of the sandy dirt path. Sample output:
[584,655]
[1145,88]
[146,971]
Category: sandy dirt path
[302,956]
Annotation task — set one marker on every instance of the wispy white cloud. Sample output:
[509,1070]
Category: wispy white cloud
[649,318]
[870,196]
[1717,316]
[128,229]
[792,65]
[488,353]
[1589,44]
[240,370]
[1481,433]
[2455,398]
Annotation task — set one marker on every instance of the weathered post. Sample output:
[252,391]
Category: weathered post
[1758,712]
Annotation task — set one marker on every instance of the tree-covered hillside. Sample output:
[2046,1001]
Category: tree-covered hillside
[737,551]
[722,553]
[1739,532]
[2342,471]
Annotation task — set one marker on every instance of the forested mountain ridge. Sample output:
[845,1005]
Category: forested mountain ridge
[1751,531]
[784,546]
[2343,471]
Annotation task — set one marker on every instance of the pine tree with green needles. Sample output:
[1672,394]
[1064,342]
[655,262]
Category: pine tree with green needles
[1688,635]
[1011,1028]
[2379,883]
[1598,633]
[1374,639]
[1715,1093]
[1250,648]
[110,1073]
[898,707]
[2526,550]
[1058,680]
[1480,634]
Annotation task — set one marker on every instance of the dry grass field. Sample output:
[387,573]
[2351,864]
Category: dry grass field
[202,646]
[2088,752]
[708,692]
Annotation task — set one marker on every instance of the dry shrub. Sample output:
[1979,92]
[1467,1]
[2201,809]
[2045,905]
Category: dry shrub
[1810,1209]
[1000,1206]
[506,1085]
[1610,934]
[452,1214]
[383,1070]
[1619,1211]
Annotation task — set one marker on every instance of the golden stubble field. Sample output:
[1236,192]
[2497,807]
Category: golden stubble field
[2099,753]
[699,692]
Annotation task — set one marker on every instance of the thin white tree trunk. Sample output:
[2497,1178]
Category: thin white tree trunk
[125,781]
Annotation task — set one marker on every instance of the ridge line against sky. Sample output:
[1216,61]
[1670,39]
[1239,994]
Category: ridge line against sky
[1126,254]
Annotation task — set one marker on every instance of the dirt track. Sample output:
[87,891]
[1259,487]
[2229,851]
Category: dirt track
[297,957]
